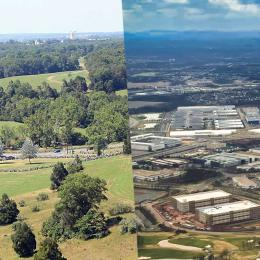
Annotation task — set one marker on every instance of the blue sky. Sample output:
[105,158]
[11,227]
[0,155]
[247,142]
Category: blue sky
[182,15]
[54,16]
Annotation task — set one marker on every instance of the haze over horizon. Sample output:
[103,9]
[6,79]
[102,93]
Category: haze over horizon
[60,16]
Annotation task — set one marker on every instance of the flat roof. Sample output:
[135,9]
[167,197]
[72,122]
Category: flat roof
[201,196]
[228,207]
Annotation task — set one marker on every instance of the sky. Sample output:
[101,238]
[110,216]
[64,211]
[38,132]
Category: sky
[60,16]
[184,15]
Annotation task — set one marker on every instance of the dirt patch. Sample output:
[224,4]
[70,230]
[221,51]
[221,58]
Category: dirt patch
[166,244]
[219,246]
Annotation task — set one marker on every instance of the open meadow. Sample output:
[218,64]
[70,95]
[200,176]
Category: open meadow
[26,185]
[54,79]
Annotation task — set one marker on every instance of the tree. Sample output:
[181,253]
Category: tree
[127,145]
[1,148]
[92,225]
[78,194]
[58,175]
[49,250]
[8,210]
[76,165]
[28,150]
[23,239]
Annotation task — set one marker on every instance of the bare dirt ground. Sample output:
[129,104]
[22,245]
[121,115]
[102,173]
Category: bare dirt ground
[166,244]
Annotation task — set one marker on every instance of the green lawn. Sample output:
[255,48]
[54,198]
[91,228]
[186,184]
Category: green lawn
[122,92]
[26,186]
[11,124]
[115,170]
[54,79]
[158,253]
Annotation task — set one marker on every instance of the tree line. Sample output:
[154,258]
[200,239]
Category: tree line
[106,66]
[50,117]
[23,58]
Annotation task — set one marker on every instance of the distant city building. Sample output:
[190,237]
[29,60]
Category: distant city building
[228,213]
[72,35]
[190,202]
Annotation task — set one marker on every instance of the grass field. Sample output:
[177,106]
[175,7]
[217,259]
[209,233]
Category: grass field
[54,79]
[122,92]
[26,186]
[233,242]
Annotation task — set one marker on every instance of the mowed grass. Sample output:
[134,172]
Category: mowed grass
[17,127]
[159,253]
[118,174]
[16,183]
[54,79]
[148,247]
[122,92]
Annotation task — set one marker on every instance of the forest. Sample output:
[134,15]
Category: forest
[50,116]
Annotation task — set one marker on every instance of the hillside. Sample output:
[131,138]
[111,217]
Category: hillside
[54,79]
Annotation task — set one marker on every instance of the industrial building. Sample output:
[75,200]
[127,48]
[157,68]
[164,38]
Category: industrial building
[252,115]
[149,142]
[206,117]
[228,213]
[190,202]
[224,160]
[228,123]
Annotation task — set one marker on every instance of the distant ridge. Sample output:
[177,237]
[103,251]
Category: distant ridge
[184,35]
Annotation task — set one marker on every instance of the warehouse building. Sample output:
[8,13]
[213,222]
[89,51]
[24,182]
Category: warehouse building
[228,213]
[224,160]
[152,143]
[252,115]
[202,117]
[190,202]
[228,124]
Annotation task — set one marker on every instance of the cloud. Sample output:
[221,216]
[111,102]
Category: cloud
[168,12]
[146,1]
[177,1]
[237,6]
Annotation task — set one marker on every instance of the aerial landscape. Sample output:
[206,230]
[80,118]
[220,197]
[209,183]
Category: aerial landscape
[65,168]
[194,103]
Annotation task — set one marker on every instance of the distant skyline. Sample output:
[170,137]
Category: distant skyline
[60,16]
[190,15]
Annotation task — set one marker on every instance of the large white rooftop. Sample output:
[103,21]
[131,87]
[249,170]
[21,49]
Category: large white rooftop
[228,207]
[201,196]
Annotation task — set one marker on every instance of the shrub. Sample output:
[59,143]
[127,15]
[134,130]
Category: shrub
[23,239]
[75,166]
[92,225]
[36,208]
[128,225]
[22,203]
[58,175]
[8,210]
[120,208]
[49,249]
[42,196]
